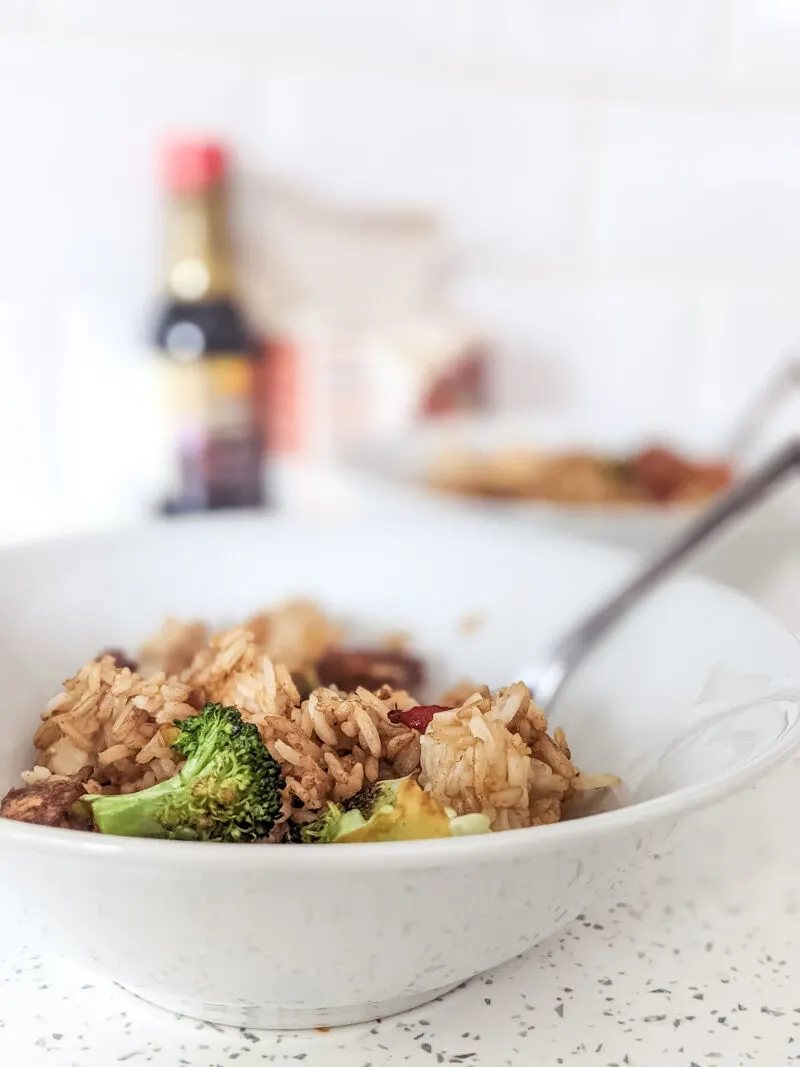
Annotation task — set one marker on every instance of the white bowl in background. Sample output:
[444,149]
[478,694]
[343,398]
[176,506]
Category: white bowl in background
[290,936]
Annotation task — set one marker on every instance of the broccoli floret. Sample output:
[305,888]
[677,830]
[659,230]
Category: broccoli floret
[227,790]
[332,825]
[395,810]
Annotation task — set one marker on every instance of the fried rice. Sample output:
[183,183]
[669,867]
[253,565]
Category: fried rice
[485,753]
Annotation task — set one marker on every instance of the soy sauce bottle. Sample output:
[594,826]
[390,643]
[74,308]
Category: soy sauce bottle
[208,368]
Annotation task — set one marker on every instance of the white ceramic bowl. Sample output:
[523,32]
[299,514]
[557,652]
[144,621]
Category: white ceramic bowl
[308,936]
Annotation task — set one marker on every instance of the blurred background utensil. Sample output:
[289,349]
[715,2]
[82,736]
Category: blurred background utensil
[546,677]
[760,410]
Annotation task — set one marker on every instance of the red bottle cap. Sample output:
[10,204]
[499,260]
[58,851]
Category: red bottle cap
[190,166]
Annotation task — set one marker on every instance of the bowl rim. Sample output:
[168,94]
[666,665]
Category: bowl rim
[483,848]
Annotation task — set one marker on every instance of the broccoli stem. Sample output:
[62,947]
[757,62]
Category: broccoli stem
[227,790]
[138,814]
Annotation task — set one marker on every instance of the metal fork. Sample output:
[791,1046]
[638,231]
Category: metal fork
[546,677]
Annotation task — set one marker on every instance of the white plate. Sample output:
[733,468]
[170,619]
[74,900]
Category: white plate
[395,473]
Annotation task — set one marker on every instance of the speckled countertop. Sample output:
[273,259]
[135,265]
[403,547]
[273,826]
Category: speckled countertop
[697,966]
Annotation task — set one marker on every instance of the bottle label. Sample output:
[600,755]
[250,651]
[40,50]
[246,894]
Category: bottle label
[214,396]
[212,429]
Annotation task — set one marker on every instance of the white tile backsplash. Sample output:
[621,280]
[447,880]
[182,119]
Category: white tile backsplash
[764,40]
[503,169]
[27,481]
[15,15]
[102,427]
[704,192]
[612,357]
[750,331]
[393,32]
[85,124]
[620,180]
[656,39]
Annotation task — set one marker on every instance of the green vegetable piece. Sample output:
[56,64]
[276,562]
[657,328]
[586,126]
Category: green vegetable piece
[395,810]
[227,790]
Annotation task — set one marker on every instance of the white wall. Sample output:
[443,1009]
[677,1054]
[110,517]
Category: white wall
[621,179]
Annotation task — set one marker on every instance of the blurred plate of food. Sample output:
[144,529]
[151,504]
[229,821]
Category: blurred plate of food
[633,490]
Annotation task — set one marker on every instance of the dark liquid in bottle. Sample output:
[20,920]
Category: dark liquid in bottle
[211,378]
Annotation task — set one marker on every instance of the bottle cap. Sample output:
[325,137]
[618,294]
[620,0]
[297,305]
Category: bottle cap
[189,166]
